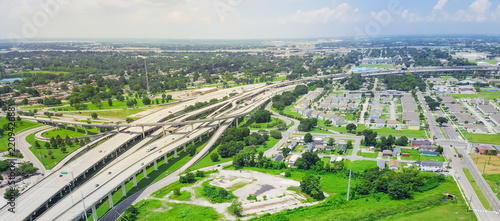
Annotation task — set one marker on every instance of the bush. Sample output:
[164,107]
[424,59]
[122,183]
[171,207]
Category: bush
[276,134]
[214,157]
[188,178]
[251,197]
[216,194]
[288,174]
[235,208]
[200,173]
[177,191]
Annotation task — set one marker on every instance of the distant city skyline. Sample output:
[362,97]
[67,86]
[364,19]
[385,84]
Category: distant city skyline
[244,19]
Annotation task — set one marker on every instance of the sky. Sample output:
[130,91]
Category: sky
[244,19]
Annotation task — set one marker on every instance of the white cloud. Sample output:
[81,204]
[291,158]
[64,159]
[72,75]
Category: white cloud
[440,5]
[342,13]
[480,6]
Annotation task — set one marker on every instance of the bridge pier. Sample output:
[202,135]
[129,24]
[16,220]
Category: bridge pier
[135,180]
[124,190]
[110,199]
[86,130]
[61,194]
[76,128]
[145,172]
[175,151]
[156,165]
[66,126]
[245,119]
[85,176]
[143,135]
[184,147]
[192,127]
[99,129]
[201,137]
[166,160]
[47,205]
[192,142]
[237,122]
[94,213]
[117,130]
[94,166]
[164,133]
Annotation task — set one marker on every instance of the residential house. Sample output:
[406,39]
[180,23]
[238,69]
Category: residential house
[315,114]
[465,118]
[387,153]
[410,117]
[396,151]
[454,108]
[487,109]
[430,166]
[393,165]
[342,147]
[338,120]
[410,107]
[392,123]
[332,159]
[476,128]
[482,148]
[423,148]
[495,118]
[293,159]
[321,116]
[452,81]
[307,113]
[414,125]
[380,123]
[435,80]
[278,158]
[375,114]
[448,100]
[301,111]
[381,164]
[292,145]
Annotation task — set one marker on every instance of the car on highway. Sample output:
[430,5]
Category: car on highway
[96,185]
[109,173]
[60,175]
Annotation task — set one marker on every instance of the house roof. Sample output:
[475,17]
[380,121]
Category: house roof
[397,150]
[278,158]
[429,164]
[393,163]
[381,164]
[420,142]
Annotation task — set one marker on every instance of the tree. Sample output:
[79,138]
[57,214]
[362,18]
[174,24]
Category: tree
[288,174]
[9,193]
[131,213]
[285,151]
[128,119]
[264,197]
[433,105]
[94,115]
[168,98]
[235,208]
[191,150]
[310,185]
[37,145]
[441,120]
[47,145]
[110,102]
[402,141]
[200,173]
[439,149]
[262,116]
[4,165]
[276,134]
[331,141]
[308,138]
[350,127]
[146,100]
[349,144]
[188,178]
[177,191]
[307,161]
[214,157]
[370,138]
[26,168]
[307,124]
[398,190]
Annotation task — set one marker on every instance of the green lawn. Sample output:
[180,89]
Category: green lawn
[490,61]
[185,196]
[42,153]
[21,126]
[360,165]
[251,124]
[494,181]
[483,138]
[122,114]
[63,132]
[368,155]
[415,155]
[156,210]
[448,211]
[350,117]
[478,190]
[385,131]
[488,95]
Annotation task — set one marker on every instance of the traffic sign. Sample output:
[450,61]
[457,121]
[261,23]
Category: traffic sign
[64,172]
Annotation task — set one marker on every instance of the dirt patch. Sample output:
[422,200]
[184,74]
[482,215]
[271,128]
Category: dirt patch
[263,189]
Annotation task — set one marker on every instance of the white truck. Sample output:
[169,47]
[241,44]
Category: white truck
[150,148]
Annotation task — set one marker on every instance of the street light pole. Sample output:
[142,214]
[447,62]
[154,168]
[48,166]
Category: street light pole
[84,209]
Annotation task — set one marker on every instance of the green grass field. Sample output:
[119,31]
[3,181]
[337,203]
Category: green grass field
[368,155]
[483,138]
[490,61]
[415,155]
[122,114]
[63,132]
[251,123]
[385,131]
[42,153]
[156,210]
[488,95]
[25,125]
[476,188]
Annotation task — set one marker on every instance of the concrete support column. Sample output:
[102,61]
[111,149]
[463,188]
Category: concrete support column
[164,133]
[245,119]
[192,142]
[76,128]
[94,166]
[47,205]
[103,161]
[143,135]
[184,147]
[117,130]
[200,138]
[94,213]
[237,122]
[99,129]
[110,199]
[175,151]
[145,172]
[66,126]
[61,194]
[135,180]
[84,175]
[166,159]
[156,165]
[86,131]
[124,190]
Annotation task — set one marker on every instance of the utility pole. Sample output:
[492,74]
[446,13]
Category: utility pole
[349,185]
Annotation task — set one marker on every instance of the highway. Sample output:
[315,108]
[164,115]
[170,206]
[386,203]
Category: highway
[51,185]
[127,165]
